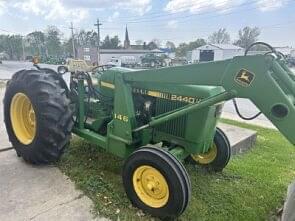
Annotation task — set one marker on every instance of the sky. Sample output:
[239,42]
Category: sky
[166,20]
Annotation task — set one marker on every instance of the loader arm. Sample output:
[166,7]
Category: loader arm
[263,79]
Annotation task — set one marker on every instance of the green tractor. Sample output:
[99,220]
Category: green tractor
[157,120]
[152,60]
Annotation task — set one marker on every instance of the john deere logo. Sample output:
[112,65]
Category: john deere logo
[244,78]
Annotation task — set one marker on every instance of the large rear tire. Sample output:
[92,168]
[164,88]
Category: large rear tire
[37,116]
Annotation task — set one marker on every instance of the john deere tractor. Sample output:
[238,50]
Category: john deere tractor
[157,120]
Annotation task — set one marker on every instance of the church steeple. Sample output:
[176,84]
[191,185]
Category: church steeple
[126,41]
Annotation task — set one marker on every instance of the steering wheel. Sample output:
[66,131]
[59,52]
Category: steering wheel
[272,50]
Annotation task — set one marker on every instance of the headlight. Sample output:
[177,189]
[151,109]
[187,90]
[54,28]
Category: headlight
[62,70]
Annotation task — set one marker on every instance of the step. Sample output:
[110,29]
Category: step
[240,139]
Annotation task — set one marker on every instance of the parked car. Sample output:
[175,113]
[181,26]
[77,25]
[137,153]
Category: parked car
[153,60]
[179,61]
[4,56]
[53,60]
[124,61]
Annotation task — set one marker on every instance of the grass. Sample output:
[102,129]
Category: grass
[251,187]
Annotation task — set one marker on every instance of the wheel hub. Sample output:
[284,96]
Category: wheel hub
[23,118]
[151,186]
[32,116]
[206,158]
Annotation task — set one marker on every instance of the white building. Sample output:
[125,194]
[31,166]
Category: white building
[215,52]
[89,54]
[285,50]
[107,54]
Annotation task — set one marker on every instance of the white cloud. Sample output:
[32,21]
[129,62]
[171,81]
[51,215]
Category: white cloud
[31,6]
[270,5]
[2,8]
[76,10]
[51,10]
[113,16]
[138,6]
[173,24]
[196,6]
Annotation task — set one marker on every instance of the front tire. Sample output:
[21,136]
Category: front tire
[218,155]
[37,116]
[156,182]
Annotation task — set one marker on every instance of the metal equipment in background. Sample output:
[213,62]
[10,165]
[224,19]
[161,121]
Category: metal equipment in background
[156,120]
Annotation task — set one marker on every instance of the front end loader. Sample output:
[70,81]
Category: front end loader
[157,120]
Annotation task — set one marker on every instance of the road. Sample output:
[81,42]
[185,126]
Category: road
[246,107]
[8,68]
[35,193]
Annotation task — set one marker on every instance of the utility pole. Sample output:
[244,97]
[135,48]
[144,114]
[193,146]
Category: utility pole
[73,40]
[23,47]
[98,41]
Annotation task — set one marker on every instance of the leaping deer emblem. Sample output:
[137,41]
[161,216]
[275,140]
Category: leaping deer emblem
[244,77]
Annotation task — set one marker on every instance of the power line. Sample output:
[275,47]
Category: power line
[180,9]
[184,20]
[188,16]
[4,30]
[273,26]
[151,20]
[277,25]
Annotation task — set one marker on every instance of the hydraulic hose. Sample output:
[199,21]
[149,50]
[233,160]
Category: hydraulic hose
[241,116]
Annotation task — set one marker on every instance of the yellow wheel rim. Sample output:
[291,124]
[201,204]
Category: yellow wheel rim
[150,186]
[206,158]
[23,118]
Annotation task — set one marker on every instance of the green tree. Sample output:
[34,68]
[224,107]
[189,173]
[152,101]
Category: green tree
[82,39]
[183,48]
[111,43]
[15,47]
[53,42]
[68,48]
[36,41]
[247,36]
[171,46]
[92,38]
[139,42]
[197,43]
[220,37]
[152,45]
[12,45]
[157,42]
[115,42]
[4,43]
[87,38]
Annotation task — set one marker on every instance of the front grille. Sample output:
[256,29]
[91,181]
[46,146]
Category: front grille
[174,127]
